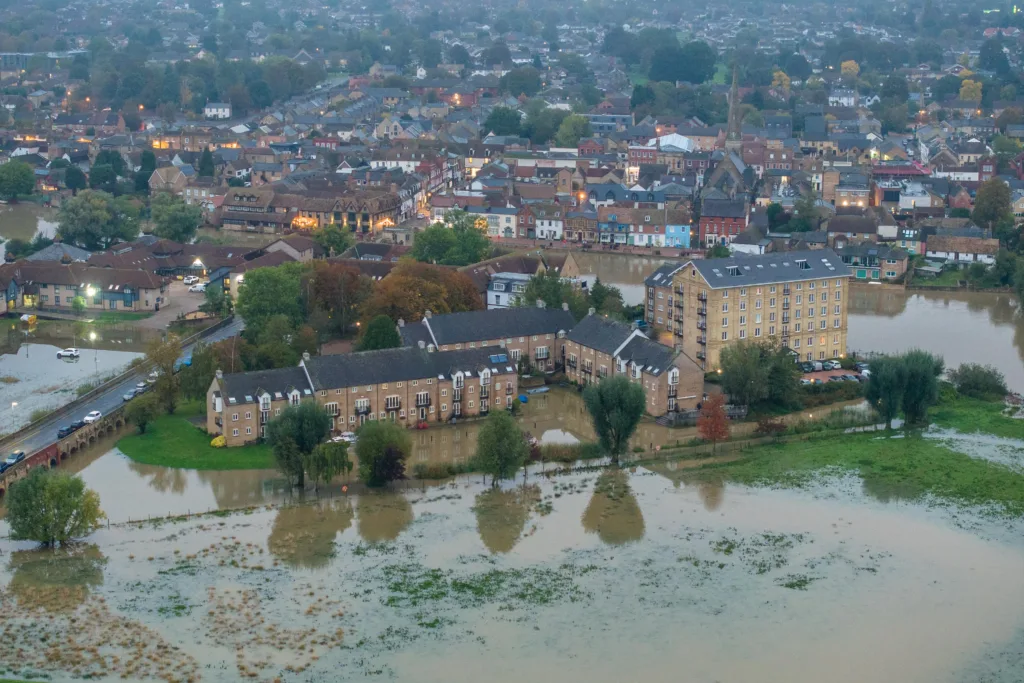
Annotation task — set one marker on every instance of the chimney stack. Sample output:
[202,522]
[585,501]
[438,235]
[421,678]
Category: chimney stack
[565,306]
[401,322]
[305,356]
[426,315]
[634,325]
[422,344]
[220,374]
[540,303]
[591,311]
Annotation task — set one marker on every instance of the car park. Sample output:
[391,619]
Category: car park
[92,416]
[69,352]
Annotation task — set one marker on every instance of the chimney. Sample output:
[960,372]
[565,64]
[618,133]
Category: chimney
[422,344]
[220,373]
[540,303]
[634,325]
[426,315]
[305,356]
[401,322]
[565,306]
[591,311]
[430,348]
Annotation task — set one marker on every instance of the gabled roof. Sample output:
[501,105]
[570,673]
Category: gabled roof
[246,387]
[742,270]
[474,326]
[396,365]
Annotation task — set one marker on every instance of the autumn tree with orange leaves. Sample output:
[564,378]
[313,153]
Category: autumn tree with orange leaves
[712,423]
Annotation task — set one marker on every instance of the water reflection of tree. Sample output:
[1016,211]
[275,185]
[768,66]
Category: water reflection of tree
[501,516]
[382,516]
[303,535]
[55,580]
[710,486]
[162,479]
[613,513]
[877,301]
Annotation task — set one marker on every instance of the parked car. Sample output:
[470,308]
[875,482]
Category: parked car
[866,373]
[76,425]
[190,279]
[141,386]
[850,378]
[861,366]
[69,352]
[807,367]
[14,458]
[346,437]
[198,287]
[835,378]
[805,381]
[92,416]
[129,395]
[153,376]
[831,365]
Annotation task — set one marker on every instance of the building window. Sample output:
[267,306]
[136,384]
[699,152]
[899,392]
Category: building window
[743,334]
[248,416]
[234,432]
[248,430]
[234,417]
[725,336]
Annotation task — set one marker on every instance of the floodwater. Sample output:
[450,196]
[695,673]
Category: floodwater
[963,327]
[461,582]
[31,376]
[26,220]
[132,491]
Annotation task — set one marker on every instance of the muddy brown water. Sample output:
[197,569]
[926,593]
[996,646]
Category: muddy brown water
[26,220]
[461,582]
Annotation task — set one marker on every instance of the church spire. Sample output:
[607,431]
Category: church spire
[734,136]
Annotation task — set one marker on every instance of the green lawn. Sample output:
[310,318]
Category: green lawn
[722,74]
[119,316]
[971,415]
[947,278]
[892,468]
[172,441]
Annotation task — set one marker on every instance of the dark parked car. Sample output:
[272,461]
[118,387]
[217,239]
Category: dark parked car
[861,366]
[65,432]
[835,378]
[849,378]
[12,460]
[76,425]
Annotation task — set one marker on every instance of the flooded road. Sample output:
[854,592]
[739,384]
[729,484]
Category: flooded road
[26,220]
[31,376]
[461,582]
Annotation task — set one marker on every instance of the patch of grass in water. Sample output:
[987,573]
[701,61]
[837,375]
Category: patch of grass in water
[892,469]
[797,582]
[413,585]
[970,415]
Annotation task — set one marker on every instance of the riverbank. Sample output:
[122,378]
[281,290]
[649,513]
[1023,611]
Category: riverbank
[173,441]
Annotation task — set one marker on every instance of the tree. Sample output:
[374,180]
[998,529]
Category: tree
[522,81]
[142,410]
[615,405]
[983,382]
[333,239]
[206,168]
[78,305]
[713,423]
[699,60]
[498,53]
[215,301]
[458,54]
[798,67]
[74,179]
[174,219]
[380,334]
[51,507]
[992,57]
[993,204]
[326,461]
[573,128]
[503,121]
[294,434]
[382,449]
[970,90]
[267,292]
[336,292]
[922,390]
[103,177]
[757,374]
[886,386]
[96,220]
[164,354]
[775,214]
[895,88]
[16,178]
[850,69]
[501,448]
[461,244]
[147,164]
[549,287]
[112,158]
[781,80]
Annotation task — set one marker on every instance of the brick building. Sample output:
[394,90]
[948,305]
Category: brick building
[722,219]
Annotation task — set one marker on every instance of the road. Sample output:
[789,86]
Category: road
[45,433]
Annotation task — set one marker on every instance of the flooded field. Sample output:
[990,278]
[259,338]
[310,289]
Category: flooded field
[31,376]
[461,582]
[26,220]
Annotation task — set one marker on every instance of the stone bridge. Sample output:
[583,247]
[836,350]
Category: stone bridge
[54,454]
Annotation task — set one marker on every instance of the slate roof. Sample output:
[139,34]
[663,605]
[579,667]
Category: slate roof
[655,358]
[600,333]
[854,225]
[662,277]
[245,387]
[396,365]
[57,251]
[724,208]
[762,269]
[470,326]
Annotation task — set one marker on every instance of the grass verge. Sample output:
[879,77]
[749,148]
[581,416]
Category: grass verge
[172,441]
[119,316]
[970,415]
[892,469]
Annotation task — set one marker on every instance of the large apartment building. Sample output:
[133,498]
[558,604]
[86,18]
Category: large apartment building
[798,298]
[406,385]
[533,334]
[599,347]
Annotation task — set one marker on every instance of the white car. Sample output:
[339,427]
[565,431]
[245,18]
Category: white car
[345,437]
[70,352]
[199,287]
[190,279]
[92,416]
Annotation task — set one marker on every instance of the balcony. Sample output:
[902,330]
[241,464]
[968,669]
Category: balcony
[785,320]
[702,297]
[571,364]
[363,410]
[484,407]
[264,416]
[457,395]
[678,304]
[587,370]
[785,291]
[702,310]
[395,404]
[485,393]
[702,325]
[673,390]
[602,373]
[701,355]
[422,401]
[508,390]
[785,305]
[702,340]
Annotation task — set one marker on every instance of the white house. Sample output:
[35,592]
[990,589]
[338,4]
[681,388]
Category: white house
[549,221]
[842,97]
[962,250]
[505,289]
[217,110]
[914,196]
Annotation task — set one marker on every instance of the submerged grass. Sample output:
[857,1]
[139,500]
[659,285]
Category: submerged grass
[172,441]
[970,415]
[905,468]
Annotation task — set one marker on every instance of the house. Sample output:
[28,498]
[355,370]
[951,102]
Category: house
[722,219]
[962,251]
[172,179]
[56,285]
[533,335]
[506,290]
[875,262]
[549,221]
[844,229]
[405,385]
[798,298]
[217,110]
[598,347]
[299,247]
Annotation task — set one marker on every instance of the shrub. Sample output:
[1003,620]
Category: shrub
[770,427]
[219,441]
[978,381]
[814,395]
[570,452]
